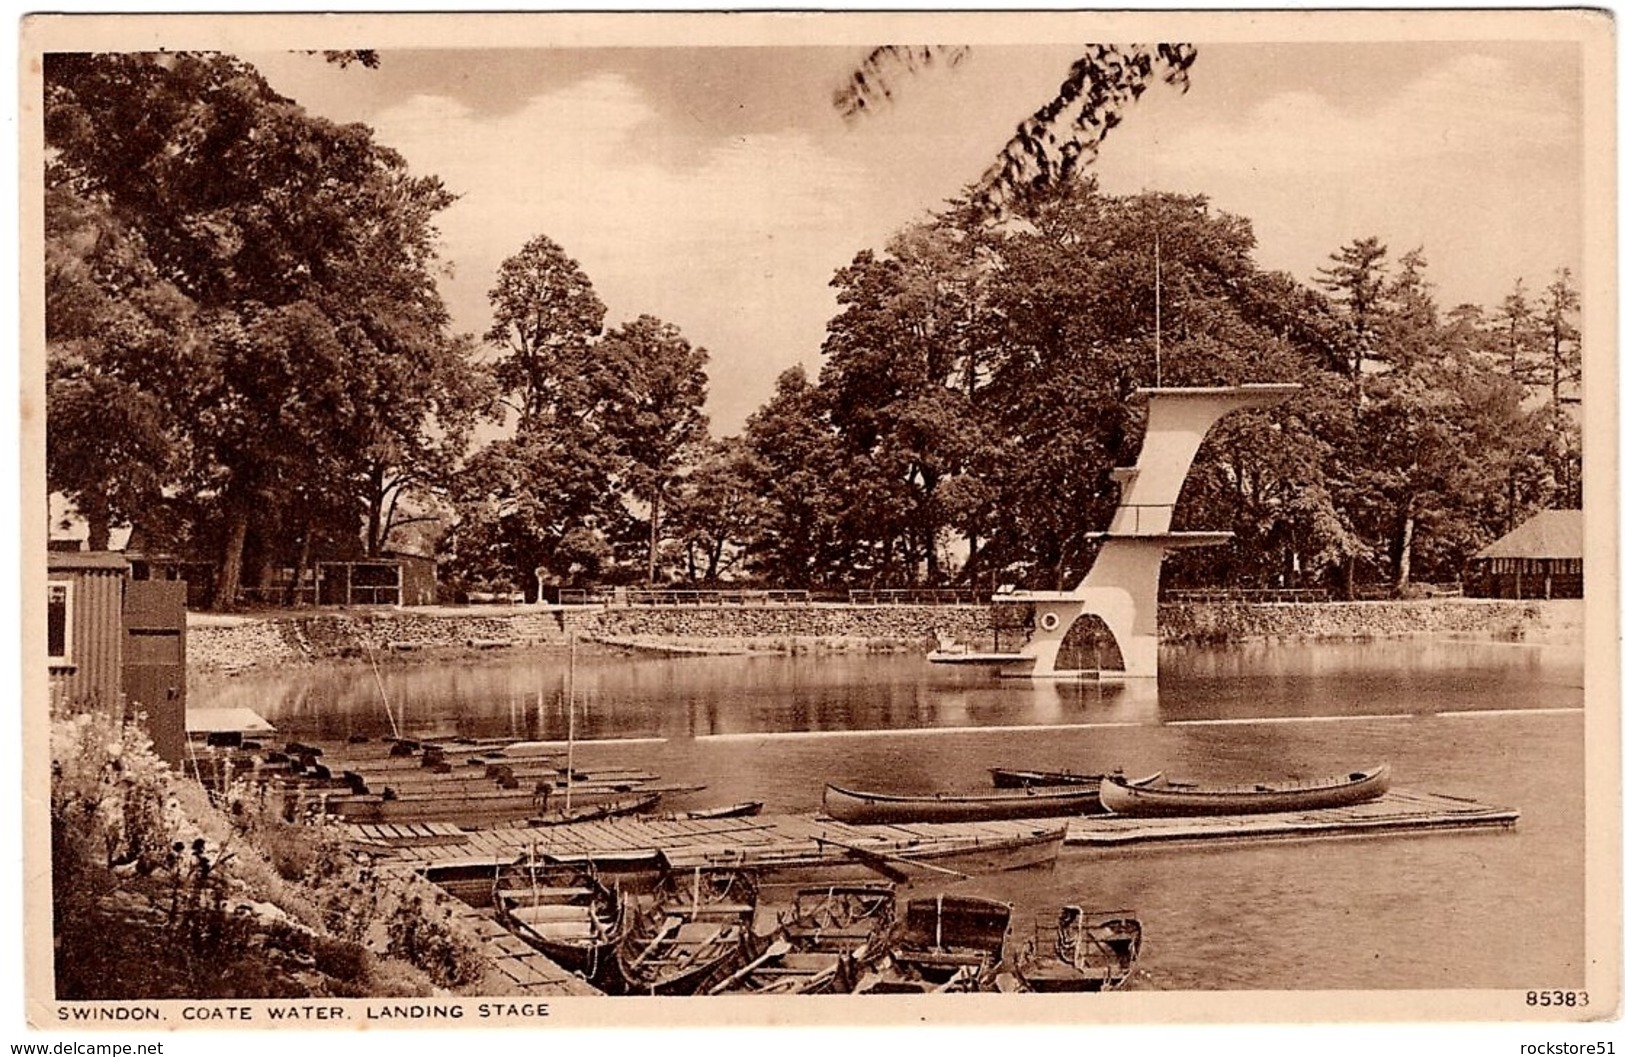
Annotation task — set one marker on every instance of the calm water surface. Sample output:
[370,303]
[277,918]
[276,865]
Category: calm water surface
[1497,722]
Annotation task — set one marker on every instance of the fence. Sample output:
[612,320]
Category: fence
[918,596]
[1252,595]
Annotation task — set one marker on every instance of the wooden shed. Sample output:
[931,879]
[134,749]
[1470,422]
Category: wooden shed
[1541,558]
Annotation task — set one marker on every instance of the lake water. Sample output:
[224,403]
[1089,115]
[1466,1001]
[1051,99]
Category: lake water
[1499,722]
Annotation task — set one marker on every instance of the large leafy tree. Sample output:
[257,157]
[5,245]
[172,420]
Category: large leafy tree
[716,510]
[527,506]
[804,481]
[651,404]
[115,330]
[545,316]
[902,363]
[306,252]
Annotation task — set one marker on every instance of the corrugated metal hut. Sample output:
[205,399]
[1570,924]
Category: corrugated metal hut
[84,626]
[1541,558]
[114,644]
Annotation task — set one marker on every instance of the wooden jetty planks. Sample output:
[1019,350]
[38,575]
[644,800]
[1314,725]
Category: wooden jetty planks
[529,971]
[715,840]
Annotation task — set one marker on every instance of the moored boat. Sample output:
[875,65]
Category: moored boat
[1082,951]
[591,812]
[743,809]
[942,943]
[564,911]
[847,805]
[1012,778]
[829,934]
[694,930]
[1162,797]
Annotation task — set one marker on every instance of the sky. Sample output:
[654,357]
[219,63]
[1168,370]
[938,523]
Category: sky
[718,188]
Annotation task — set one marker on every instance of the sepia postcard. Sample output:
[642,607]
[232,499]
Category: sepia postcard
[768,519]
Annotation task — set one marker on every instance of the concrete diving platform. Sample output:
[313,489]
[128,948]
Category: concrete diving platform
[1399,811]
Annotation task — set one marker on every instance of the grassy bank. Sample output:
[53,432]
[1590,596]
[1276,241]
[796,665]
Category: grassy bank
[160,892]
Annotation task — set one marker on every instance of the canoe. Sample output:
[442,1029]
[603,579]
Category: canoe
[562,816]
[829,934]
[1009,778]
[1161,797]
[694,930]
[563,911]
[1082,951]
[846,805]
[743,809]
[942,943]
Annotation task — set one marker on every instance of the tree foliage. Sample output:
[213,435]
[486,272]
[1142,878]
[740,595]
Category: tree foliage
[1061,138]
[308,343]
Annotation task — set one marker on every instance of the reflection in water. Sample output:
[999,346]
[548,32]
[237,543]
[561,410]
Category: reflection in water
[1475,719]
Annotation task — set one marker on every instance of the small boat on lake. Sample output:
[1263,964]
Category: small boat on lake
[1163,797]
[564,911]
[1011,778]
[830,934]
[743,809]
[592,812]
[1082,951]
[847,805]
[942,943]
[693,931]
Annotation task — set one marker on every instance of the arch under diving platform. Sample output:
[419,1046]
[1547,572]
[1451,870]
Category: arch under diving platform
[1120,589]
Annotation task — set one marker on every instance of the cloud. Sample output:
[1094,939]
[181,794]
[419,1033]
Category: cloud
[1473,159]
[733,239]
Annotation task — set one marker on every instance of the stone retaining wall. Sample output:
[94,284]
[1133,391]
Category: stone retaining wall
[225,644]
[1215,622]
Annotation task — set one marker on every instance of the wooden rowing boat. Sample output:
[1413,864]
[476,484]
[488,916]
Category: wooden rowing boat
[693,931]
[846,805]
[827,937]
[564,911]
[1082,951]
[1162,797]
[943,943]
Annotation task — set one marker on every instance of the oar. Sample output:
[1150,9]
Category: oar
[777,950]
[670,924]
[875,854]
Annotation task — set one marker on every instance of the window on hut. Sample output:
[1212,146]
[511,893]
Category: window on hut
[59,622]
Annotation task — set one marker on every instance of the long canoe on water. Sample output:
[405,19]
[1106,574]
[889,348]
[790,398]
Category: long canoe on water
[846,805]
[1161,797]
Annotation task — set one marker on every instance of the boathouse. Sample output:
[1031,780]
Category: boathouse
[1541,558]
[115,644]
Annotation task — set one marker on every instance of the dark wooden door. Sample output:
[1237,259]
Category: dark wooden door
[155,661]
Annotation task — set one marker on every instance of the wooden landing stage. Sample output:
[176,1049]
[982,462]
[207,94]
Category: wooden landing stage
[783,847]
[1397,811]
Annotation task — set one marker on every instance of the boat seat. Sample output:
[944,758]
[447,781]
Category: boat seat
[566,930]
[713,910]
[547,895]
[828,934]
[555,912]
[698,932]
[941,957]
